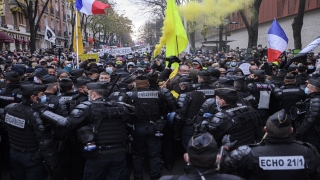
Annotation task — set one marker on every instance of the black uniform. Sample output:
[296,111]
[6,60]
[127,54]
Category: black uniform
[241,122]
[149,109]
[192,173]
[309,129]
[188,106]
[277,157]
[10,94]
[259,88]
[288,95]
[29,139]
[102,123]
[301,79]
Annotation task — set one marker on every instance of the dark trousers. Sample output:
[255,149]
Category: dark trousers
[186,134]
[144,138]
[167,143]
[26,167]
[101,168]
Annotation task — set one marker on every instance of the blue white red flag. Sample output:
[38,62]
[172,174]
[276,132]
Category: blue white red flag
[91,7]
[277,41]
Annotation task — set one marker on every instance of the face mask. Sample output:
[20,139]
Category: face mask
[228,63]
[207,58]
[233,64]
[36,80]
[74,90]
[310,67]
[306,90]
[43,98]
[89,99]
[67,68]
[69,65]
[217,104]
[184,74]
[109,70]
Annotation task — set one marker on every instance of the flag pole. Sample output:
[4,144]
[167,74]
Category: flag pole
[77,40]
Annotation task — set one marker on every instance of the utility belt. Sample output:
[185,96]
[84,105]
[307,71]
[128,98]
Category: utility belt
[110,147]
[22,149]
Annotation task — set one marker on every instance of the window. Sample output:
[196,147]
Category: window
[58,25]
[57,5]
[45,20]
[20,17]
[52,24]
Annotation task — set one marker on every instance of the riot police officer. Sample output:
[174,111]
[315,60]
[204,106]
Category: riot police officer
[241,122]
[101,128]
[277,157]
[29,136]
[12,92]
[244,97]
[263,92]
[289,94]
[151,107]
[52,89]
[309,129]
[188,105]
[204,84]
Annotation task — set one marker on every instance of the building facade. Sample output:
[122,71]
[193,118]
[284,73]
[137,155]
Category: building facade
[15,30]
[284,11]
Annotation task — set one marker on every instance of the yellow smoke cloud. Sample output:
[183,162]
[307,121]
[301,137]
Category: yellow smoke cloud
[211,12]
[167,29]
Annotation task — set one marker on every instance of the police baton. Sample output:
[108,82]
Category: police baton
[114,84]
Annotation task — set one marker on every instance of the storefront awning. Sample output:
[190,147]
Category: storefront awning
[26,42]
[5,38]
[91,40]
[18,41]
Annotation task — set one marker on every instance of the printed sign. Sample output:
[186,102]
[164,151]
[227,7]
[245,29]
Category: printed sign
[281,162]
[84,57]
[14,121]
[147,94]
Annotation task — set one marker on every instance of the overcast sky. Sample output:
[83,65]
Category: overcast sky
[133,12]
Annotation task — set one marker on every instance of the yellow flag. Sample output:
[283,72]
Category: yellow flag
[174,35]
[177,40]
[80,43]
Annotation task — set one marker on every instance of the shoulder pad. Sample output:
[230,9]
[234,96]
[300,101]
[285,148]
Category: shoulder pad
[250,86]
[77,113]
[183,95]
[87,103]
[83,106]
[10,106]
[219,115]
[164,90]
[129,93]
[244,149]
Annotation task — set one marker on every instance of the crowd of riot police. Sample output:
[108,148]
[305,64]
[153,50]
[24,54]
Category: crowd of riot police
[101,120]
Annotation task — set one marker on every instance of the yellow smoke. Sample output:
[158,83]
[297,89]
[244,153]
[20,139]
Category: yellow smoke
[211,12]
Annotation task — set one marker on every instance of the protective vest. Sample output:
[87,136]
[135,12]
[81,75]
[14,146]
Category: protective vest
[197,99]
[243,121]
[288,97]
[19,123]
[147,104]
[109,129]
[280,161]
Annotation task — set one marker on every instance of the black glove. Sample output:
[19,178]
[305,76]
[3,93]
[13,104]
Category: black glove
[38,107]
[159,124]
[228,145]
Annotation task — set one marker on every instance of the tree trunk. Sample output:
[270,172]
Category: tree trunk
[253,27]
[297,25]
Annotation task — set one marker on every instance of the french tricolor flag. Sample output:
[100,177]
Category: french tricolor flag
[277,41]
[91,7]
